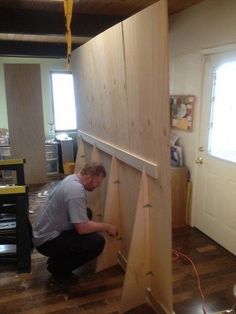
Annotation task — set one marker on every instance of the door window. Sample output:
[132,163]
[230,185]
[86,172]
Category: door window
[222,135]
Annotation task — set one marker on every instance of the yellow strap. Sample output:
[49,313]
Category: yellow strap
[12,162]
[12,189]
[68,5]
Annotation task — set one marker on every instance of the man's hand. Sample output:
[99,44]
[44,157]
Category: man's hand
[112,230]
[92,226]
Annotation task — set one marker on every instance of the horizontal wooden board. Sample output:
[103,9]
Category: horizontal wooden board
[123,155]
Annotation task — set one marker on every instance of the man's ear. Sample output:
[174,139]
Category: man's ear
[88,177]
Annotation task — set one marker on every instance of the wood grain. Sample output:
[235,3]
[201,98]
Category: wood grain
[179,181]
[121,81]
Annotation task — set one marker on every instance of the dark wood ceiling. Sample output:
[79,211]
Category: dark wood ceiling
[37,27]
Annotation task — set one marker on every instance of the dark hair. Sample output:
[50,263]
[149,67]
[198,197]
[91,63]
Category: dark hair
[94,169]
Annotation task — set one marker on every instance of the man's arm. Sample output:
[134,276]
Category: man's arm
[93,226]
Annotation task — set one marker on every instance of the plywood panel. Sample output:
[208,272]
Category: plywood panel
[25,117]
[112,216]
[146,61]
[121,82]
[161,245]
[98,69]
[137,277]
[80,158]
[147,81]
[129,189]
[96,199]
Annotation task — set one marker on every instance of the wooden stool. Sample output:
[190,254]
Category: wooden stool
[17,165]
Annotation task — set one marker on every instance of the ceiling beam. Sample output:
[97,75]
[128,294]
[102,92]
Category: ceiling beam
[34,49]
[30,33]
[53,23]
[43,38]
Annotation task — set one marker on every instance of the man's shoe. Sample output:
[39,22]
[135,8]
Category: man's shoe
[58,275]
[84,273]
[64,280]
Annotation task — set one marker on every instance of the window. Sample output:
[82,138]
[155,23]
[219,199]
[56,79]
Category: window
[63,101]
[222,139]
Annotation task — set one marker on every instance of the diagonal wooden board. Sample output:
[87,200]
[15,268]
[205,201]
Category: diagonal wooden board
[80,157]
[111,215]
[137,277]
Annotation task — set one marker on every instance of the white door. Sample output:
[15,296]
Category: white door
[215,210]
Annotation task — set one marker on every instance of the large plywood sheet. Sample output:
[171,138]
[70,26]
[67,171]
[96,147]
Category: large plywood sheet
[25,117]
[121,87]
[146,62]
[99,79]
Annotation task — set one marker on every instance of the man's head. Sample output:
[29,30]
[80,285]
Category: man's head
[91,175]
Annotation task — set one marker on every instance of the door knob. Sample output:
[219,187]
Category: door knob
[199,160]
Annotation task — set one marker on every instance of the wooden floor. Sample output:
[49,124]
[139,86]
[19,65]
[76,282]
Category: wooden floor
[217,272]
[34,293]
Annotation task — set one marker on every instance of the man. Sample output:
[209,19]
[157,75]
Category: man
[63,230]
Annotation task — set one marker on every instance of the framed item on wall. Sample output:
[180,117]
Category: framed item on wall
[181,109]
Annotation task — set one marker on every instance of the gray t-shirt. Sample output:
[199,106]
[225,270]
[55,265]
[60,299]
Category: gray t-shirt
[65,205]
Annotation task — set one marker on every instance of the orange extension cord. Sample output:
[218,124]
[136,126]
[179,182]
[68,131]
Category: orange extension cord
[176,256]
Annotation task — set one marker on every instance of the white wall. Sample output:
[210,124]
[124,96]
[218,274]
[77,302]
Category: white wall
[209,24]
[46,66]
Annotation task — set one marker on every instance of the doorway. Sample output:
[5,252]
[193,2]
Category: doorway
[215,206]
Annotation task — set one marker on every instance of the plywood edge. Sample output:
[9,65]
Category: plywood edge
[123,155]
[122,260]
[95,154]
[138,272]
[154,304]
[109,256]
[80,157]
